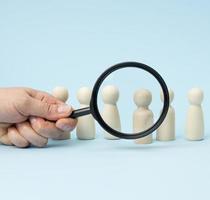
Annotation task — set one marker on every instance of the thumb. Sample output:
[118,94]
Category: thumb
[50,111]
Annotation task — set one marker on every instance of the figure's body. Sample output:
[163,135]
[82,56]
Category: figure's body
[166,131]
[110,114]
[61,93]
[195,118]
[143,116]
[86,124]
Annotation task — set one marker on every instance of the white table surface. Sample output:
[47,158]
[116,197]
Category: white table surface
[102,169]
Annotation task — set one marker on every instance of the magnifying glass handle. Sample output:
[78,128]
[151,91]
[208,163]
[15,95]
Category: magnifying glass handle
[80,112]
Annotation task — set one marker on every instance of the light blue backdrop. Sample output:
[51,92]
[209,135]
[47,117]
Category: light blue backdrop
[49,43]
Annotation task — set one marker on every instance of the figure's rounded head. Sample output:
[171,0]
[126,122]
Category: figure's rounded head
[84,95]
[195,96]
[171,95]
[142,98]
[61,93]
[110,94]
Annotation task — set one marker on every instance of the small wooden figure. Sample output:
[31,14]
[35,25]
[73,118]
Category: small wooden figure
[195,118]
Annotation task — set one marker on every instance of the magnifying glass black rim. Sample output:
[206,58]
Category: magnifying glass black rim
[94,104]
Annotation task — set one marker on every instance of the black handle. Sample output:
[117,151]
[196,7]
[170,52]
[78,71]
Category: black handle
[80,112]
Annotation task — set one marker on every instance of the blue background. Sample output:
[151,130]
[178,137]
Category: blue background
[48,43]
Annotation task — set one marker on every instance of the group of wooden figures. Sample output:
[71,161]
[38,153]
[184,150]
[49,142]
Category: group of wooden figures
[143,117]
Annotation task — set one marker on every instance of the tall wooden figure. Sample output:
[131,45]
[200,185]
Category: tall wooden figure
[143,116]
[166,131]
[110,114]
[195,118]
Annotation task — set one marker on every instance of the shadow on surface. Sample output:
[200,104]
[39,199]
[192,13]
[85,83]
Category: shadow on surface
[179,143]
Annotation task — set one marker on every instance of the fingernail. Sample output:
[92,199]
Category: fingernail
[64,108]
[33,120]
[66,128]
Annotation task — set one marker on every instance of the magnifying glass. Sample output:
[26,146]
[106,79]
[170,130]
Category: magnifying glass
[119,73]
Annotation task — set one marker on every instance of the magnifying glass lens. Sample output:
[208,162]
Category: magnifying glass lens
[129,101]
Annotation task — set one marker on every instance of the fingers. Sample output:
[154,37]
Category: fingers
[50,111]
[64,136]
[43,96]
[5,140]
[42,104]
[37,132]
[5,125]
[16,139]
[66,124]
[3,131]
[45,128]
[30,135]
[4,137]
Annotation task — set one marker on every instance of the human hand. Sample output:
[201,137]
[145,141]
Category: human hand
[24,115]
